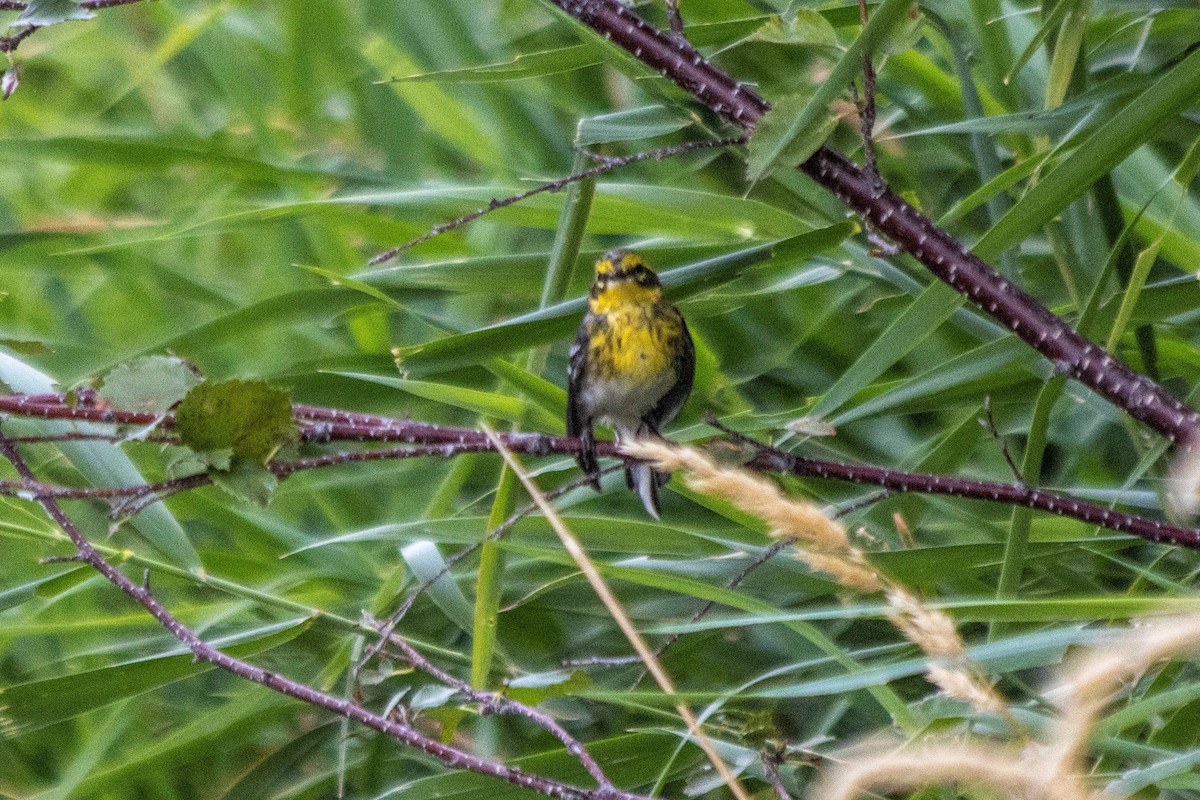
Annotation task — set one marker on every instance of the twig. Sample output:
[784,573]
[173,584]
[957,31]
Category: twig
[859,504]
[606,165]
[394,619]
[771,459]
[1070,352]
[771,759]
[9,44]
[989,424]
[775,549]
[704,610]
[499,704]
[451,757]
[322,426]
[675,19]
[867,115]
[619,616]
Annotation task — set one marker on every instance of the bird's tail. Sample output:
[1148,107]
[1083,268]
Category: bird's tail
[646,481]
[642,478]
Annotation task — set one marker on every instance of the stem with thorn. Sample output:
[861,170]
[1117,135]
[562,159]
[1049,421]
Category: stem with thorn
[1070,352]
[450,756]
[423,439]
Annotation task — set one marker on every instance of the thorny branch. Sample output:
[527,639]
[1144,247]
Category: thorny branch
[1069,351]
[417,439]
[450,756]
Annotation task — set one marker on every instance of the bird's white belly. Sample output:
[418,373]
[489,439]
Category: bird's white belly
[624,402]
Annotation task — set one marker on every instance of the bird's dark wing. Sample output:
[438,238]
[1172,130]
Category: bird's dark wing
[685,369]
[578,423]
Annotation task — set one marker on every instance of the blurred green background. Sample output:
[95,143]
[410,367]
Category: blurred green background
[200,178]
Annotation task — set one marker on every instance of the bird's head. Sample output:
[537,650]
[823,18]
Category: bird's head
[626,272]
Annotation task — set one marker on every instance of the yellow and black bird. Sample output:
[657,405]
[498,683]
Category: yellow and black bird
[632,364]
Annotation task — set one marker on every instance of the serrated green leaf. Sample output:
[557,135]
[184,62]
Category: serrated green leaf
[246,480]
[103,465]
[150,384]
[250,418]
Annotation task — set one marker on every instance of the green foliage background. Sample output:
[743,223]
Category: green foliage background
[196,178]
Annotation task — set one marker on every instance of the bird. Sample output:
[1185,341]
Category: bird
[632,364]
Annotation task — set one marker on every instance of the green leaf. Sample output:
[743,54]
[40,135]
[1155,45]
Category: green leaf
[35,704]
[246,480]
[558,321]
[793,136]
[797,26]
[526,65]
[149,384]
[1049,21]
[645,122]
[250,418]
[276,772]
[934,306]
[50,12]
[490,404]
[534,689]
[1108,146]
[102,464]
[427,563]
[779,140]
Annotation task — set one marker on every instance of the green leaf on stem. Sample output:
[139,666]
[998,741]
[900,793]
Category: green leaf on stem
[41,13]
[249,419]
[150,384]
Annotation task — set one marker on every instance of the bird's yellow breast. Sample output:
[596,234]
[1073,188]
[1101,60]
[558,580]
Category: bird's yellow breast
[633,334]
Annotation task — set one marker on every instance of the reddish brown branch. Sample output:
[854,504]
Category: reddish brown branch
[1070,352]
[90,5]
[9,44]
[897,481]
[325,425]
[451,757]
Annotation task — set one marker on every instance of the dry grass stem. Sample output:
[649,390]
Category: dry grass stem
[1056,769]
[822,543]
[985,767]
[1092,684]
[617,611]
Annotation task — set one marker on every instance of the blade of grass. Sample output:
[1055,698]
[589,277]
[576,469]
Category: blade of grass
[620,617]
[1109,145]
